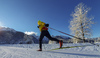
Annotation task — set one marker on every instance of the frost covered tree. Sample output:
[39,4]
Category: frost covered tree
[80,25]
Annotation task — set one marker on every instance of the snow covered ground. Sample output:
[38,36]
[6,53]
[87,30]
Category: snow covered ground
[29,51]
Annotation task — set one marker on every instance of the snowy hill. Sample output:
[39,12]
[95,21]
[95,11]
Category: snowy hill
[29,51]
[11,36]
[6,29]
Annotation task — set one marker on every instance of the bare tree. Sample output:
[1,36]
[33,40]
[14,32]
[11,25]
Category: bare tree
[80,25]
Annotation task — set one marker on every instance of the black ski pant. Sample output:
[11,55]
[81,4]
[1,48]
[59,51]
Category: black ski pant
[45,33]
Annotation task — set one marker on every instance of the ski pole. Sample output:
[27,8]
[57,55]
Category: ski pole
[65,33]
[44,45]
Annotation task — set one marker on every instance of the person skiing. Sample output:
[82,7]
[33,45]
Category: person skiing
[44,32]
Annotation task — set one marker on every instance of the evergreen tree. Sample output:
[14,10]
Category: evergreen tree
[80,25]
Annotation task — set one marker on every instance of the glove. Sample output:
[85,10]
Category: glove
[38,26]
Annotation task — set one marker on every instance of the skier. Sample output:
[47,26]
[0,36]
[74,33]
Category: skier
[44,32]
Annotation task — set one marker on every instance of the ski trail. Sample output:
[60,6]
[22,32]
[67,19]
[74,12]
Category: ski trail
[13,52]
[4,53]
[29,51]
[19,52]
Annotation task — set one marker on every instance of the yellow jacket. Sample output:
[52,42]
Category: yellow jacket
[42,26]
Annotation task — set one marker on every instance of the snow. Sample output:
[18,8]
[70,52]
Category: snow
[29,51]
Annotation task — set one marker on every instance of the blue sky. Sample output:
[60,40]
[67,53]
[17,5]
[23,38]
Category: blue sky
[22,15]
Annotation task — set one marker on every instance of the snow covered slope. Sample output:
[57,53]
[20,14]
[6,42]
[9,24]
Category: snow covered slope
[29,51]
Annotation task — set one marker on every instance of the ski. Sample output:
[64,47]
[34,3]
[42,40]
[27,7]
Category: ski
[69,47]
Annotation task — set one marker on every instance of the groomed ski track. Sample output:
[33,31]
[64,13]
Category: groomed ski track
[29,51]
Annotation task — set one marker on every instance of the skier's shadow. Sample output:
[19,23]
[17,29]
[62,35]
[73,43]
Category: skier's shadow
[88,55]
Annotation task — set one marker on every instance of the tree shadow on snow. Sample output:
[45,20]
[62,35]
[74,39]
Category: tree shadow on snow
[88,55]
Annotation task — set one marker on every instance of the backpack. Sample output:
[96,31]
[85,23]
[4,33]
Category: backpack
[46,25]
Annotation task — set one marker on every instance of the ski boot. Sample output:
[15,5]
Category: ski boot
[39,50]
[61,43]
